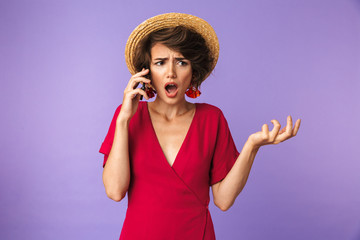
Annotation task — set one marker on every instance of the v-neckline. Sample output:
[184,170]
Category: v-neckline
[182,144]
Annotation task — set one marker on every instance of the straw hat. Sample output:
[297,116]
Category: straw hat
[171,20]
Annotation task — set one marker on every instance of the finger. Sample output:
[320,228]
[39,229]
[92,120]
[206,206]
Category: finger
[274,132]
[141,79]
[287,132]
[141,73]
[282,137]
[134,82]
[282,130]
[289,126]
[265,131]
[296,128]
[137,81]
[136,92]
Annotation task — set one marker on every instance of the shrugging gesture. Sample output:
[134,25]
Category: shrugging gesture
[276,135]
[226,191]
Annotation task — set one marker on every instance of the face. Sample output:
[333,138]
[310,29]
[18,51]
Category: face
[170,72]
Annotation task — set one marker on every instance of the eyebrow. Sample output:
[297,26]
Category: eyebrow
[168,58]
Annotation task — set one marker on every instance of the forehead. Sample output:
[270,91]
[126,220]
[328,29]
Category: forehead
[160,50]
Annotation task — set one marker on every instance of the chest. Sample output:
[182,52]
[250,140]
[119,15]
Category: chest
[157,154]
[172,134]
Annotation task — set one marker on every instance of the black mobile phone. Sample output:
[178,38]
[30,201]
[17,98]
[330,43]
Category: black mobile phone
[143,87]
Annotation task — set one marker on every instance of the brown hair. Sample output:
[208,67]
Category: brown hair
[181,39]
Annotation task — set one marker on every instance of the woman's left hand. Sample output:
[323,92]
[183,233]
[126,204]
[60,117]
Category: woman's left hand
[276,135]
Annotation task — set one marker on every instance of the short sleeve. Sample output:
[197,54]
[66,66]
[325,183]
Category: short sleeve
[225,152]
[107,143]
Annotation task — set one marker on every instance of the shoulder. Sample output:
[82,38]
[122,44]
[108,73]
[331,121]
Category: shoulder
[117,111]
[209,109]
[118,108]
[210,114]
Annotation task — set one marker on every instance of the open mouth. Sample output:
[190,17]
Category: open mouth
[171,87]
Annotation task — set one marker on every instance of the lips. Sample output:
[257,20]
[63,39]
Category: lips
[171,89]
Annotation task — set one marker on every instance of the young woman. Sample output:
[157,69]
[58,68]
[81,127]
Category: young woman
[167,153]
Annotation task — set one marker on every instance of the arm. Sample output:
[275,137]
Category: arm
[226,191]
[116,173]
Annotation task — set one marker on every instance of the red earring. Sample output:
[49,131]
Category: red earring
[193,92]
[150,91]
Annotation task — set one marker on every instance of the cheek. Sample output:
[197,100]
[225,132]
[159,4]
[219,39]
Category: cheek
[188,78]
[156,72]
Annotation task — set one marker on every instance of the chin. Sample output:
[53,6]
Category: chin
[178,99]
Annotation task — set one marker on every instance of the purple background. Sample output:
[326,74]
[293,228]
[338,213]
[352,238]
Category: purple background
[63,73]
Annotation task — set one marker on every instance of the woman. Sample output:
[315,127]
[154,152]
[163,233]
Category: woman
[167,153]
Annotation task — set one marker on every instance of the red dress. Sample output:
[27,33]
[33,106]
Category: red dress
[171,202]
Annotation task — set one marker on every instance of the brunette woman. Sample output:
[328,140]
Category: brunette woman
[167,153]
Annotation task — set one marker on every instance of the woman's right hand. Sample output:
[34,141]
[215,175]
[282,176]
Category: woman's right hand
[132,95]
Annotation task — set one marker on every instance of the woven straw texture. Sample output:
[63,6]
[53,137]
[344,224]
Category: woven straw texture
[171,20]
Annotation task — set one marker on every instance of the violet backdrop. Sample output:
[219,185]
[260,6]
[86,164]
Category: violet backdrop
[63,73]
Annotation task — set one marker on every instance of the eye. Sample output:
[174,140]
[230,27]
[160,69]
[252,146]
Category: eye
[159,63]
[182,63]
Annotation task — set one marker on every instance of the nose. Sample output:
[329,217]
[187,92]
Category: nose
[171,71]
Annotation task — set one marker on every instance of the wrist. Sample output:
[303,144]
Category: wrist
[250,144]
[122,121]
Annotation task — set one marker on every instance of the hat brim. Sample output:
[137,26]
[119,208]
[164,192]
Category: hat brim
[171,20]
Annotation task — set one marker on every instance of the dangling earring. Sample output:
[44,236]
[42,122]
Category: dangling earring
[193,92]
[150,91]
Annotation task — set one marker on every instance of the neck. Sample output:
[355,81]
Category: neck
[170,111]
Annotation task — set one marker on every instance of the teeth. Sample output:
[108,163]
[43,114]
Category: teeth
[170,85]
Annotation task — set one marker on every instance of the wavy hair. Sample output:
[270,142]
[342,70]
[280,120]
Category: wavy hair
[180,39]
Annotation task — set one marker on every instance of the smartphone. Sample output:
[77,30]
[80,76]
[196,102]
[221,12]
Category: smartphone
[143,85]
